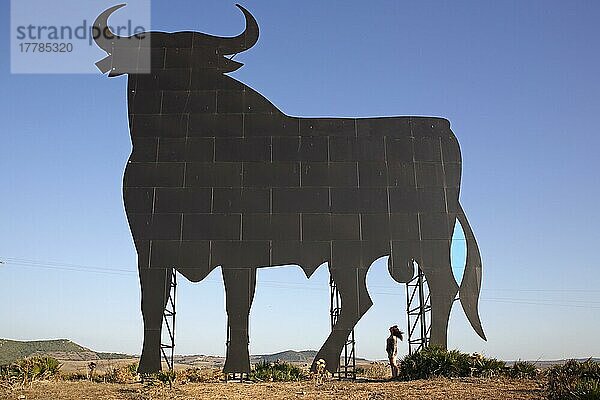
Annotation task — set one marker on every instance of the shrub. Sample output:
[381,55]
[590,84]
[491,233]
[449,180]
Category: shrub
[574,381]
[75,376]
[523,369]
[278,372]
[123,374]
[197,375]
[436,361]
[486,367]
[587,390]
[166,377]
[30,369]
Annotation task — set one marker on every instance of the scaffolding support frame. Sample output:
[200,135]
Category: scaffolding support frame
[347,366]
[418,310]
[168,349]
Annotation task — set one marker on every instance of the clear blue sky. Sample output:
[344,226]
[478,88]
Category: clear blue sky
[517,79]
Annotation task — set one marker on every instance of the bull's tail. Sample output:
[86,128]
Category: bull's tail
[470,286]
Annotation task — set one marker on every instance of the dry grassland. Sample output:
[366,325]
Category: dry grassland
[452,389]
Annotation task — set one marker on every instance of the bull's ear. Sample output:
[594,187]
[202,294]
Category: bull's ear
[225,65]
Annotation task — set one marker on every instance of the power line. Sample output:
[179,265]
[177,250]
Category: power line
[24,261]
[133,271]
[539,304]
[27,263]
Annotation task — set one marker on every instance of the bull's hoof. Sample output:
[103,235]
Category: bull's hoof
[236,366]
[238,358]
[149,365]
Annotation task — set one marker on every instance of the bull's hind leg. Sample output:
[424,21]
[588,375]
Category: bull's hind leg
[239,293]
[352,286]
[156,284]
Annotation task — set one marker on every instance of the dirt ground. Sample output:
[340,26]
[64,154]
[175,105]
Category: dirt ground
[459,389]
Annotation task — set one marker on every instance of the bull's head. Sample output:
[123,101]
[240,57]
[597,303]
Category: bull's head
[126,54]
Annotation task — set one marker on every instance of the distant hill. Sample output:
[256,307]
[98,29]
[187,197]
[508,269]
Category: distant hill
[66,350]
[61,349]
[291,356]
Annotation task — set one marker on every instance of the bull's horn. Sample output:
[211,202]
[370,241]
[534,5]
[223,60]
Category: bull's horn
[102,34]
[243,41]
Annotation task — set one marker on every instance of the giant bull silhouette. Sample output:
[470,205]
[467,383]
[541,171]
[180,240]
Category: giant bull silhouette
[219,176]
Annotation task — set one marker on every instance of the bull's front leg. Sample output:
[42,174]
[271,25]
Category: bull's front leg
[155,284]
[240,284]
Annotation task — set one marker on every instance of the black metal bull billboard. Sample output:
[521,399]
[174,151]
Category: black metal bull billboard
[219,176]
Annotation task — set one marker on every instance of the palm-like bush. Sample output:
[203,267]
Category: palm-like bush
[123,374]
[278,372]
[487,367]
[166,377]
[199,375]
[523,369]
[30,369]
[436,361]
[574,381]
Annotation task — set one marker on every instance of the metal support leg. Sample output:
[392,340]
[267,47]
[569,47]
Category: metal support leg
[418,310]
[168,349]
[347,368]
